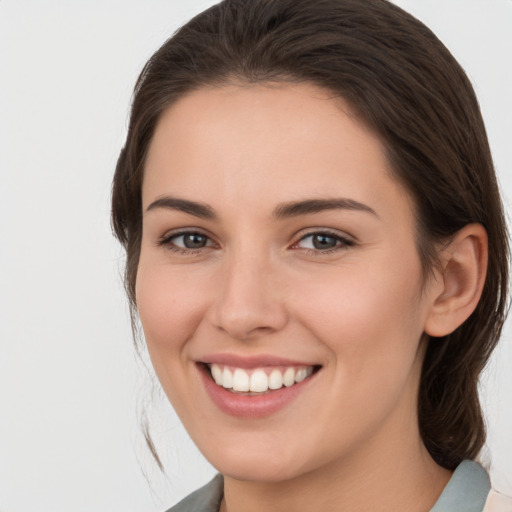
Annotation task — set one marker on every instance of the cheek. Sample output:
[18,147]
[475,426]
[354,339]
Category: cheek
[371,320]
[372,326]
[170,305]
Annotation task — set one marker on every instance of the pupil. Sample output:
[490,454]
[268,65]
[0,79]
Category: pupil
[324,242]
[194,241]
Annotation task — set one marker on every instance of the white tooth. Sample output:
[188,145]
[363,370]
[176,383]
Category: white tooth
[227,379]
[275,380]
[301,375]
[259,381]
[289,377]
[216,374]
[309,371]
[240,380]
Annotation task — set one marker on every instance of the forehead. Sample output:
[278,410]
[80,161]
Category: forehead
[267,143]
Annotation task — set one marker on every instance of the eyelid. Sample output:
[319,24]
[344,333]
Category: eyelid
[166,240]
[345,240]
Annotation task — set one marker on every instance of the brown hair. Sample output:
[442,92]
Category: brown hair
[404,84]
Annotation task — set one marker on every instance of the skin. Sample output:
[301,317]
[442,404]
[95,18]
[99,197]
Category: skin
[350,440]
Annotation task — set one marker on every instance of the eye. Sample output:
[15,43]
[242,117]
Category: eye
[323,242]
[191,240]
[187,241]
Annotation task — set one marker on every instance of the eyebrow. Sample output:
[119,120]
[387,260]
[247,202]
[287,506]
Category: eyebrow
[309,206]
[282,211]
[200,210]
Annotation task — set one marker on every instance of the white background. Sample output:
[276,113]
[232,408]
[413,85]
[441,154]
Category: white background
[70,385]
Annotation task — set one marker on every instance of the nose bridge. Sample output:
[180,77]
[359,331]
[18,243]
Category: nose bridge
[248,301]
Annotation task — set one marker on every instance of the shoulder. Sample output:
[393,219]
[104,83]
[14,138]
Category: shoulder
[205,499]
[466,491]
[469,490]
[497,502]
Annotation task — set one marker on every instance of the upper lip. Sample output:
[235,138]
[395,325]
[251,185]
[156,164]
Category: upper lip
[249,362]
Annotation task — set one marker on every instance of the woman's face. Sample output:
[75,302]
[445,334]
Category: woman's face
[278,248]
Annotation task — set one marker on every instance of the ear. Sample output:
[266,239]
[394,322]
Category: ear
[460,281]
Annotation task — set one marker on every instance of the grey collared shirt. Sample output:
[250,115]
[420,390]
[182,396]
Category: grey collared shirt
[466,491]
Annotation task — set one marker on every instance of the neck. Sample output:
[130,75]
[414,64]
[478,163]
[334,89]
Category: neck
[398,475]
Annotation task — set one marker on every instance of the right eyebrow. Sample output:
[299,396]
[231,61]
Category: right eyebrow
[201,210]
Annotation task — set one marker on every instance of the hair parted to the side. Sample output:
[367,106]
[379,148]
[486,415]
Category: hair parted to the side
[406,86]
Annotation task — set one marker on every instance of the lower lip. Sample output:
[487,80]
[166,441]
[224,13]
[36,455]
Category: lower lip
[251,406]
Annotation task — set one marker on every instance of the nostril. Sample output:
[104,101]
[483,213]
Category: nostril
[245,327]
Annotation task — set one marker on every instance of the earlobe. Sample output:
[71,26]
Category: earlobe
[461,281]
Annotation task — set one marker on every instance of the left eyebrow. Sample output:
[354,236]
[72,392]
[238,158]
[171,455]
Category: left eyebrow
[309,206]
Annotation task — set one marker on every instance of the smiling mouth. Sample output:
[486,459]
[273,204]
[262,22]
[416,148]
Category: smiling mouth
[258,381]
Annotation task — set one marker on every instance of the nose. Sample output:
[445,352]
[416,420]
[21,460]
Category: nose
[250,303]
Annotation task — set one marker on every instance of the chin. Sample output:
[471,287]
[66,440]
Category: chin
[264,465]
[257,472]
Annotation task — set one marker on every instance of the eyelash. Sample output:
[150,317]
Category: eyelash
[342,242]
[167,242]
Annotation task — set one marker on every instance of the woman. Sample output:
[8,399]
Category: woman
[317,253]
